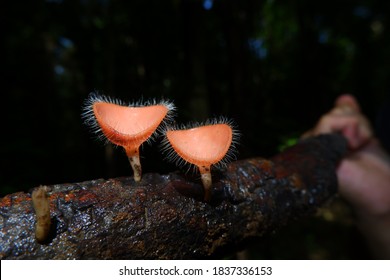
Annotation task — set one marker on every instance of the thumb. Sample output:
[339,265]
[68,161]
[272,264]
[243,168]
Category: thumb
[348,100]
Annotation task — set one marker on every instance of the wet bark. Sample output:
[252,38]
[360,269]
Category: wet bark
[164,217]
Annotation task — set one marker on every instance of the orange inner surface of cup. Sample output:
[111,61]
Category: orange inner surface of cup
[126,126]
[203,145]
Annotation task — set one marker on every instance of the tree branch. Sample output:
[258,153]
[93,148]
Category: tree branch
[164,217]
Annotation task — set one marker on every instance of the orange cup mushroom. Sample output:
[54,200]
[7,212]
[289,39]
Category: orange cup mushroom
[126,125]
[203,146]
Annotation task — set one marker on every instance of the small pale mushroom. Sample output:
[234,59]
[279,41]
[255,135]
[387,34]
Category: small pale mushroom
[41,206]
[126,125]
[203,146]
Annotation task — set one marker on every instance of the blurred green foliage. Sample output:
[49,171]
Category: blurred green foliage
[273,66]
[287,142]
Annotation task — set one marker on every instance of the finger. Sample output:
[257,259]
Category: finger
[351,132]
[343,110]
[335,123]
[347,101]
[354,128]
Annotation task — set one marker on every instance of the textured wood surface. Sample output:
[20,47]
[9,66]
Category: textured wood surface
[164,217]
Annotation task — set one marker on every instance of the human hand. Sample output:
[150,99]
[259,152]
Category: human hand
[364,174]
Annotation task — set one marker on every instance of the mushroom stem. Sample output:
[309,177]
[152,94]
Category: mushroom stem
[41,206]
[206,180]
[133,156]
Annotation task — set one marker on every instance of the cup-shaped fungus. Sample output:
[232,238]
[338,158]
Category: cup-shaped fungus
[202,145]
[126,125]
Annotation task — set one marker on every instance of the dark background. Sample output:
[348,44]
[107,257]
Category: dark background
[273,66]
